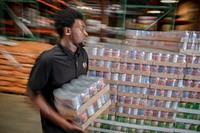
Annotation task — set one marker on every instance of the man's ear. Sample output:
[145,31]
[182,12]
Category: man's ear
[67,31]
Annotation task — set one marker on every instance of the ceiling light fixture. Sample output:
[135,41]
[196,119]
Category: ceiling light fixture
[154,11]
[169,1]
[84,7]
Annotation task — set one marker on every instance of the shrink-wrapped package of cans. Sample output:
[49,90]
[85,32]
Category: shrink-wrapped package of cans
[81,98]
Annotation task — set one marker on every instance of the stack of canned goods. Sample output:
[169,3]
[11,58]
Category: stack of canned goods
[165,93]
[187,126]
[190,40]
[123,52]
[74,94]
[188,105]
[131,121]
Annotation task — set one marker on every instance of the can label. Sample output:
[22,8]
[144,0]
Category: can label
[121,99]
[92,73]
[154,80]
[188,71]
[145,79]
[123,66]
[160,92]
[99,73]
[141,112]
[143,102]
[97,124]
[129,88]
[124,53]
[149,113]
[139,55]
[157,56]
[90,110]
[116,53]
[122,76]
[147,122]
[196,60]
[195,83]
[165,57]
[144,90]
[138,67]
[140,122]
[130,77]
[115,64]
[130,66]
[162,81]
[176,94]
[162,69]
[134,111]
[107,75]
[169,93]
[114,76]
[148,56]
[196,72]
[179,71]
[151,102]
[127,110]
[156,113]
[154,68]
[190,59]
[187,83]
[173,58]
[136,89]
[99,103]
[164,114]
[94,51]
[121,88]
[154,123]
[108,52]
[92,62]
[146,67]
[107,64]
[120,109]
[128,100]
[174,105]
[100,51]
[170,82]
[100,63]
[111,117]
[124,129]
[132,54]
[112,97]
[118,128]
[181,59]
[82,118]
[179,83]
[137,78]
[170,70]
[133,121]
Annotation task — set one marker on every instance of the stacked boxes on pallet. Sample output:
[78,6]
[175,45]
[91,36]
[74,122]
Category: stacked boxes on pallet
[147,88]
[16,61]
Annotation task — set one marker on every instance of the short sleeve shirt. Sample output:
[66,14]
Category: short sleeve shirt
[52,69]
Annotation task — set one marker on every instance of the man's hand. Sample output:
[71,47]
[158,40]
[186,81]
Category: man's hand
[70,126]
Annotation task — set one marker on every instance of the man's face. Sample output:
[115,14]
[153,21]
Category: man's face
[78,33]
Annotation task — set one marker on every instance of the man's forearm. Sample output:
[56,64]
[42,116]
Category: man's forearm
[45,108]
[49,113]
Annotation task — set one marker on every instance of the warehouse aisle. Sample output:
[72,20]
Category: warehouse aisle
[17,115]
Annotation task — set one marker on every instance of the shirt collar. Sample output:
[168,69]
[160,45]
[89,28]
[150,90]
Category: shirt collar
[69,52]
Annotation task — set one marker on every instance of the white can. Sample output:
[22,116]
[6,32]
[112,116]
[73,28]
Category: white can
[90,110]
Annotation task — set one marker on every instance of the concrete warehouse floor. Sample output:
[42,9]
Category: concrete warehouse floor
[17,115]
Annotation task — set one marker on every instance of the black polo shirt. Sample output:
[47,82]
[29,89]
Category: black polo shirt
[52,69]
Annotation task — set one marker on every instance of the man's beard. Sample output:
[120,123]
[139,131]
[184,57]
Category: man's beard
[81,44]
